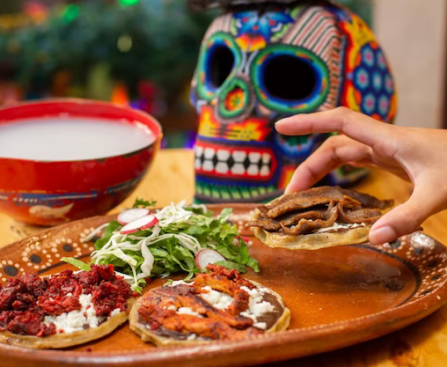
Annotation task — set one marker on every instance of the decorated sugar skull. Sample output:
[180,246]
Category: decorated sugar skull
[258,64]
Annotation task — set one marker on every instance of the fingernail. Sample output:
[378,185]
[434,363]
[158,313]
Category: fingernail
[382,235]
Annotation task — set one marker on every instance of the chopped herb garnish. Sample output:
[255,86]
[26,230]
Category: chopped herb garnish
[141,203]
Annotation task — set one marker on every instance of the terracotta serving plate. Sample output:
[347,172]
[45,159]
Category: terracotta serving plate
[338,297]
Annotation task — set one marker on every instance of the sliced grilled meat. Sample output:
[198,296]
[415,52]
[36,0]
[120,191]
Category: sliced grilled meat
[297,204]
[305,226]
[365,215]
[290,220]
[307,211]
[368,201]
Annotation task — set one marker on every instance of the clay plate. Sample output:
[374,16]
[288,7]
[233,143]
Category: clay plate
[338,297]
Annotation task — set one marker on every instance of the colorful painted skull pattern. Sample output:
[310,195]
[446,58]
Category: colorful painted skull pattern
[259,65]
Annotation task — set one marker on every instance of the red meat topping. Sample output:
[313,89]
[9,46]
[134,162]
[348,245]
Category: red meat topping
[25,301]
[59,305]
[108,296]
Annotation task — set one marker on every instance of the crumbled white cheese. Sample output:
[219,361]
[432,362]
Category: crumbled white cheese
[116,311]
[260,325]
[337,225]
[217,299]
[192,337]
[171,307]
[188,311]
[256,305]
[78,319]
[177,282]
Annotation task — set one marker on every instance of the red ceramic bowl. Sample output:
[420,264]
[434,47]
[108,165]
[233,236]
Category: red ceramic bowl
[50,193]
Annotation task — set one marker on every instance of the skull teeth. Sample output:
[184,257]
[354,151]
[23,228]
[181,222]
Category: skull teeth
[209,153]
[222,167]
[197,163]
[233,163]
[254,157]
[198,150]
[207,166]
[265,171]
[253,170]
[223,155]
[266,158]
[238,169]
[239,156]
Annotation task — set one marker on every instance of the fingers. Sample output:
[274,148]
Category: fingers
[405,218]
[334,152]
[353,124]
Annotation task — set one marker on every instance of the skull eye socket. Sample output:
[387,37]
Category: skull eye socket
[221,63]
[219,59]
[289,78]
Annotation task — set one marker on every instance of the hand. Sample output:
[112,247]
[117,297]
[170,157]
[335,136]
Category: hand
[414,154]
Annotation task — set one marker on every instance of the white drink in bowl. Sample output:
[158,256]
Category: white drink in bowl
[68,138]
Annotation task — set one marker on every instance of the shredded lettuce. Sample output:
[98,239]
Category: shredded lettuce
[172,245]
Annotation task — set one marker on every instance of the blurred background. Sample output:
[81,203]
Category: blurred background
[143,53]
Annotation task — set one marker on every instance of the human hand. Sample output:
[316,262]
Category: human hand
[414,154]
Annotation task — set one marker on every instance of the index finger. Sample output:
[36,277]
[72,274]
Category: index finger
[334,152]
[357,126]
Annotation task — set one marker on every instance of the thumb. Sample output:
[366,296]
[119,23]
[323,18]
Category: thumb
[405,218]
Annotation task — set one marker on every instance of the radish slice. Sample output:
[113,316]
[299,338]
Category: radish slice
[246,239]
[236,240]
[139,224]
[130,215]
[206,257]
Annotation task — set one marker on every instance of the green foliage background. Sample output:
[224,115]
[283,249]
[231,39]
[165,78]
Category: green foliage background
[165,41]
[165,35]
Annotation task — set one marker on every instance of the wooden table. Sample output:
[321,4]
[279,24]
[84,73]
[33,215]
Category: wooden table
[423,344]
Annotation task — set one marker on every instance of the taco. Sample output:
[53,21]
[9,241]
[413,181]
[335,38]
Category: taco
[220,305]
[66,309]
[316,218]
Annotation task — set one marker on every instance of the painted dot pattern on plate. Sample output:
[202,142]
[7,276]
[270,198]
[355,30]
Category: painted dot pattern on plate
[421,251]
[10,270]
[40,256]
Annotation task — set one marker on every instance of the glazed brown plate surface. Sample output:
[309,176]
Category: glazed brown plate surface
[337,296]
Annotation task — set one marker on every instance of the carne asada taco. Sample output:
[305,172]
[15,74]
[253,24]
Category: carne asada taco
[316,218]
